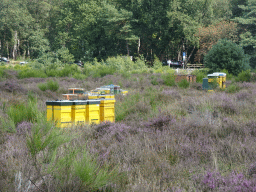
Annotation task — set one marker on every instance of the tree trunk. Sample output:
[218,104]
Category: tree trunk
[191,54]
[179,50]
[127,46]
[139,47]
[8,56]
[28,51]
[18,47]
[14,51]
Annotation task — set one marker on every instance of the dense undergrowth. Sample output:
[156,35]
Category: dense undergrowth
[167,136]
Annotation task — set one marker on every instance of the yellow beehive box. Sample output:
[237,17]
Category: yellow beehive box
[79,112]
[107,110]
[49,111]
[92,97]
[106,96]
[61,113]
[93,111]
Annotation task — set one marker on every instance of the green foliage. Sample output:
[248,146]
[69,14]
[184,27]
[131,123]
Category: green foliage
[214,84]
[125,108]
[244,76]
[233,88]
[227,55]
[68,70]
[53,85]
[65,56]
[157,63]
[200,74]
[8,125]
[50,85]
[19,112]
[31,73]
[168,79]
[42,86]
[228,75]
[183,84]
[45,136]
[91,175]
[38,43]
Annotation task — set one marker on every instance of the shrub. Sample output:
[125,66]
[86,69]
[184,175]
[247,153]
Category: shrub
[244,76]
[227,55]
[232,88]
[183,84]
[213,181]
[200,74]
[168,79]
[42,86]
[50,85]
[53,85]
[20,112]
[68,70]
[31,73]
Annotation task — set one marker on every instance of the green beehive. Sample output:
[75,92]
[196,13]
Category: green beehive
[205,84]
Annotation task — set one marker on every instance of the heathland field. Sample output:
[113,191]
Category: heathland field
[167,136]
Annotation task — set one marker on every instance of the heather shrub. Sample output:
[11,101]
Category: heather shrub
[214,181]
[171,94]
[116,131]
[183,84]
[24,128]
[161,122]
[31,73]
[244,76]
[243,95]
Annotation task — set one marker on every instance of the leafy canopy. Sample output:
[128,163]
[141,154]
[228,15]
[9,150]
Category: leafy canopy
[227,55]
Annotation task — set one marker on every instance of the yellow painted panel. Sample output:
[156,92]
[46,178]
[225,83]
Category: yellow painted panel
[93,113]
[49,112]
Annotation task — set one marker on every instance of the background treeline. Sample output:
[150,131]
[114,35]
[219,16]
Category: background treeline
[88,29]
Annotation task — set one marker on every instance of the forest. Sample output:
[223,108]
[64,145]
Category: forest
[88,29]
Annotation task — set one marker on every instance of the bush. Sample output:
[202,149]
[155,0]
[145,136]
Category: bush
[53,85]
[183,84]
[31,73]
[244,76]
[168,79]
[50,85]
[227,55]
[200,74]
[232,88]
[20,112]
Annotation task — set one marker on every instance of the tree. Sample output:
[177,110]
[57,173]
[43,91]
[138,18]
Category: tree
[209,36]
[227,55]
[248,25]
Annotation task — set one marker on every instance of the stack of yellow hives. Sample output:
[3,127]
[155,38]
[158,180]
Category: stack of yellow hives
[218,77]
[68,113]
